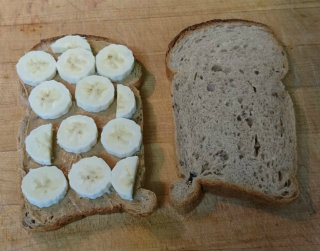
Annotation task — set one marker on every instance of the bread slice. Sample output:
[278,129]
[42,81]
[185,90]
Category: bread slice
[234,120]
[73,207]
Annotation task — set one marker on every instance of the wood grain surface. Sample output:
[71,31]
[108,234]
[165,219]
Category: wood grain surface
[147,27]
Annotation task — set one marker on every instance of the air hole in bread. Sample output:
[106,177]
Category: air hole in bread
[287,183]
[279,176]
[239,118]
[33,221]
[256,72]
[235,47]
[240,156]
[245,46]
[217,172]
[216,68]
[241,71]
[201,77]
[181,59]
[195,155]
[249,122]
[223,155]
[275,94]
[195,76]
[285,193]
[191,176]
[256,146]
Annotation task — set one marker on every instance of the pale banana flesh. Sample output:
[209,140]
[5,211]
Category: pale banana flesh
[121,137]
[126,102]
[39,144]
[94,93]
[44,186]
[90,177]
[75,64]
[70,42]
[115,61]
[50,100]
[35,67]
[77,134]
[123,176]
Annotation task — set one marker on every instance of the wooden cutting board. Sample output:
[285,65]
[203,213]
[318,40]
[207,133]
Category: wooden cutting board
[147,27]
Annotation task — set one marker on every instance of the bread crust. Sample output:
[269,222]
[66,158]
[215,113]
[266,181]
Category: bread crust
[216,186]
[144,202]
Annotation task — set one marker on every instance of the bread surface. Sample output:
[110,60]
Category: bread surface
[234,121]
[73,207]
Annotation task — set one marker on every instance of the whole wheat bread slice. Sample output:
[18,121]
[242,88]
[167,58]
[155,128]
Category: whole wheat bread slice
[234,120]
[73,207]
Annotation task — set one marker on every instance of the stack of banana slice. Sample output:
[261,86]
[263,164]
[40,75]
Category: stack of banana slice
[49,99]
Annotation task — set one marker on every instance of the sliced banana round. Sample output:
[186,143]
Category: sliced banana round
[35,67]
[90,177]
[75,64]
[126,102]
[94,93]
[115,61]
[121,137]
[77,134]
[70,42]
[50,99]
[123,176]
[44,186]
[39,144]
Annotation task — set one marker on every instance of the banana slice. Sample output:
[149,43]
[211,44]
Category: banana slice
[75,64]
[70,42]
[39,144]
[44,186]
[123,176]
[126,102]
[35,67]
[50,99]
[77,134]
[115,61]
[121,137]
[94,93]
[90,177]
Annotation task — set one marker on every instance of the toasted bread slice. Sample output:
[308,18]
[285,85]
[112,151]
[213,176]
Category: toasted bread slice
[73,207]
[234,120]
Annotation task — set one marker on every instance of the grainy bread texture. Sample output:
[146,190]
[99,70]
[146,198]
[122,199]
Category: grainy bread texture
[234,120]
[74,207]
